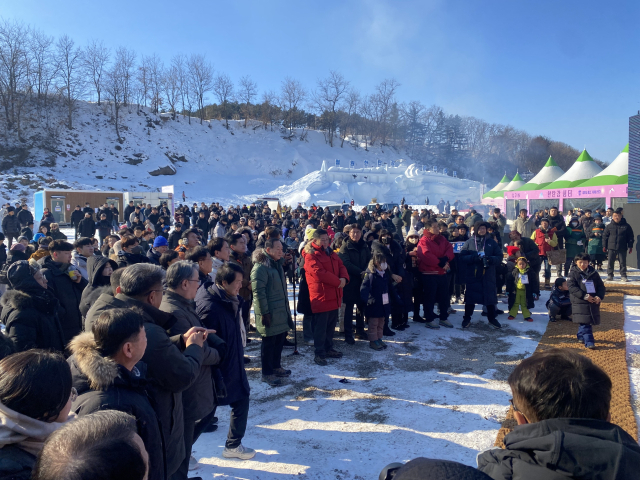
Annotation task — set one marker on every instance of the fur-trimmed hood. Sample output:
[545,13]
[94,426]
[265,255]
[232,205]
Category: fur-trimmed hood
[260,256]
[100,372]
[16,299]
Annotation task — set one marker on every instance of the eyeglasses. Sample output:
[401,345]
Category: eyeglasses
[514,405]
[150,291]
[74,394]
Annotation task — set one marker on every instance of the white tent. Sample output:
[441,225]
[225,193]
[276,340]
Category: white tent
[549,173]
[582,170]
[617,173]
[515,184]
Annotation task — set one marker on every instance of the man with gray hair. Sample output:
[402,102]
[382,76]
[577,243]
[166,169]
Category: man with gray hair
[173,363]
[198,402]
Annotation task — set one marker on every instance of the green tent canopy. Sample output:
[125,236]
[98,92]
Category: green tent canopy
[549,173]
[582,170]
[617,173]
[498,189]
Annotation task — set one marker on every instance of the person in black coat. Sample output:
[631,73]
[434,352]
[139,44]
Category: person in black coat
[396,257]
[128,210]
[557,221]
[59,272]
[30,311]
[616,239]
[129,255]
[355,256]
[587,291]
[569,437]
[559,301]
[378,294]
[175,236]
[87,227]
[99,270]
[107,378]
[76,217]
[219,307]
[25,217]
[104,227]
[478,258]
[11,225]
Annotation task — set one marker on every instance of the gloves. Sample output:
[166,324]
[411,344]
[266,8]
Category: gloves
[443,261]
[266,320]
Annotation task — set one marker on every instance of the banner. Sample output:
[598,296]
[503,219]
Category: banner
[435,169]
[379,163]
[445,171]
[352,164]
[337,162]
[457,246]
[455,174]
[366,163]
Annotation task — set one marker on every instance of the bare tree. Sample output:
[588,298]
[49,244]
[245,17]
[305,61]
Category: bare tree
[384,98]
[14,71]
[142,79]
[201,80]
[127,60]
[269,108]
[155,72]
[114,88]
[43,69]
[171,88]
[292,94]
[246,93]
[351,106]
[223,88]
[179,66]
[326,97]
[96,57]
[69,62]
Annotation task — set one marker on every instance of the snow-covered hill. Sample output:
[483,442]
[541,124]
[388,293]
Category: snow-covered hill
[208,162]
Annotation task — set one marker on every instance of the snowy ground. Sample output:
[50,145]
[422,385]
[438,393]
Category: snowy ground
[435,393]
[632,333]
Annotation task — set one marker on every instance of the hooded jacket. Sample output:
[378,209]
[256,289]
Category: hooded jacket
[270,295]
[102,384]
[219,312]
[562,449]
[68,294]
[80,262]
[98,284]
[583,310]
[323,273]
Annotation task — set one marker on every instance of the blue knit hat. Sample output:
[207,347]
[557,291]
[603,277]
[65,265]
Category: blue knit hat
[160,241]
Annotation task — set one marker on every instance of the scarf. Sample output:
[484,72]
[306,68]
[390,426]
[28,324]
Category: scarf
[235,304]
[27,433]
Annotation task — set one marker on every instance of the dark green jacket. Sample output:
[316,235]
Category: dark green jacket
[269,289]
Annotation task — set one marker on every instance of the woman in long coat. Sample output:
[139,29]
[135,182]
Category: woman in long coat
[478,259]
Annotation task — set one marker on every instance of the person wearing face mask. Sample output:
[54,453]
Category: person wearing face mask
[594,238]
[576,240]
[478,258]
[100,270]
[434,254]
[29,310]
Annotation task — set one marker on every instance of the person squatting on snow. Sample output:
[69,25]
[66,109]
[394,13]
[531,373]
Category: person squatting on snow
[559,302]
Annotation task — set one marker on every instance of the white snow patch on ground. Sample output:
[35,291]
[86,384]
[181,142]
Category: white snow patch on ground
[632,334]
[434,393]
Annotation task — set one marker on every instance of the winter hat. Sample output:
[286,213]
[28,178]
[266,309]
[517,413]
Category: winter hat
[597,216]
[22,237]
[18,247]
[559,281]
[309,234]
[177,224]
[160,241]
[511,251]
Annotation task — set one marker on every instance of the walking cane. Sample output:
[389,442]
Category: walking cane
[295,316]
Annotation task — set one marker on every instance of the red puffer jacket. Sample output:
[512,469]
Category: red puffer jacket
[323,273]
[430,249]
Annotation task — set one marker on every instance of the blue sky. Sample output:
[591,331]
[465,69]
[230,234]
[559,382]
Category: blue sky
[565,69]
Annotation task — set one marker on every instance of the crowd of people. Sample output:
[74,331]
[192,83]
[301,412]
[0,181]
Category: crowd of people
[152,316]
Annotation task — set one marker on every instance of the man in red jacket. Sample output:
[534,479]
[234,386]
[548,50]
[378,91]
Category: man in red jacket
[434,254]
[326,277]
